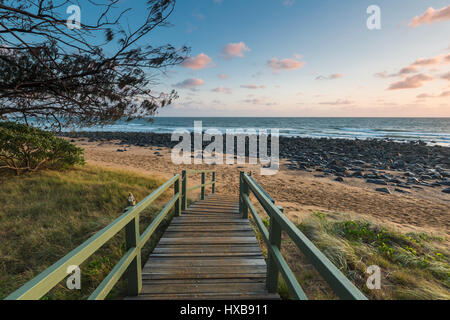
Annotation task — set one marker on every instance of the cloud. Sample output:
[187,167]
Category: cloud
[411,82]
[338,102]
[199,16]
[221,89]
[382,75]
[284,64]
[260,102]
[431,16]
[223,76]
[426,95]
[330,77]
[198,62]
[234,50]
[446,76]
[189,83]
[252,86]
[416,65]
[288,3]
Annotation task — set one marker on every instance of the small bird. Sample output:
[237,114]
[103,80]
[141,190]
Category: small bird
[131,200]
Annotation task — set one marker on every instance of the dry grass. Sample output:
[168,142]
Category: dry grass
[413,265]
[46,215]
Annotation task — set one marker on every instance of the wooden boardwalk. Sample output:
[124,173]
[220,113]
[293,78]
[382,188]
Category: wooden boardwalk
[209,252]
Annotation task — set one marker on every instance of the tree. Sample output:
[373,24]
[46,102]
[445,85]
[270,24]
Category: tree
[67,73]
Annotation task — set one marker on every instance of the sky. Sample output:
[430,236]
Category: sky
[307,58]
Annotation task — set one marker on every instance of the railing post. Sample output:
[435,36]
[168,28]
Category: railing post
[183,191]
[240,191]
[245,191]
[177,189]
[134,269]
[272,268]
[213,189]
[203,186]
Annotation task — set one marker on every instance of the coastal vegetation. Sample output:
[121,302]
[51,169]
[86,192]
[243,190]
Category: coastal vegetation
[27,149]
[47,214]
[414,265]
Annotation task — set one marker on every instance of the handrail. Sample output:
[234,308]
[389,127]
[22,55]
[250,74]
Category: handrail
[340,284]
[130,262]
[203,184]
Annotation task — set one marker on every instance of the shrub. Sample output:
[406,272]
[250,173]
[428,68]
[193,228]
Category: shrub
[24,148]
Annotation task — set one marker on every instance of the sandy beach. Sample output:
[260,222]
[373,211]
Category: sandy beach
[299,192]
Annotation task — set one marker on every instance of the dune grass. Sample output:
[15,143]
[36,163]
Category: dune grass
[45,215]
[413,265]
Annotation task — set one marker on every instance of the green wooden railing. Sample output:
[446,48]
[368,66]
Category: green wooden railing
[276,264]
[130,263]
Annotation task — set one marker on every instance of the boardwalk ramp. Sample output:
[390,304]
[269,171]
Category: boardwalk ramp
[209,252]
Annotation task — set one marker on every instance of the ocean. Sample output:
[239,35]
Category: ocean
[433,131]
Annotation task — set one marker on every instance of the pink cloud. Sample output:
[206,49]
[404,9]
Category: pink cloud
[234,50]
[223,76]
[426,95]
[411,82]
[446,76]
[382,75]
[257,101]
[418,64]
[431,16]
[253,86]
[330,77]
[284,64]
[189,83]
[221,89]
[338,102]
[198,62]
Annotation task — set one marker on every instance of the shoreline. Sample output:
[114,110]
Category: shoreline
[302,189]
[380,162]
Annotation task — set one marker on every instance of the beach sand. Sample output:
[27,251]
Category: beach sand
[300,193]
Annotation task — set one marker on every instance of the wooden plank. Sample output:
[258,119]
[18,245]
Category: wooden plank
[207,296]
[210,254]
[217,228]
[203,272]
[154,261]
[210,211]
[207,249]
[208,233]
[206,240]
[230,287]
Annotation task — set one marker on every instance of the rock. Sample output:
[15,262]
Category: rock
[120,150]
[412,180]
[446,190]
[401,190]
[445,183]
[377,181]
[384,190]
[339,179]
